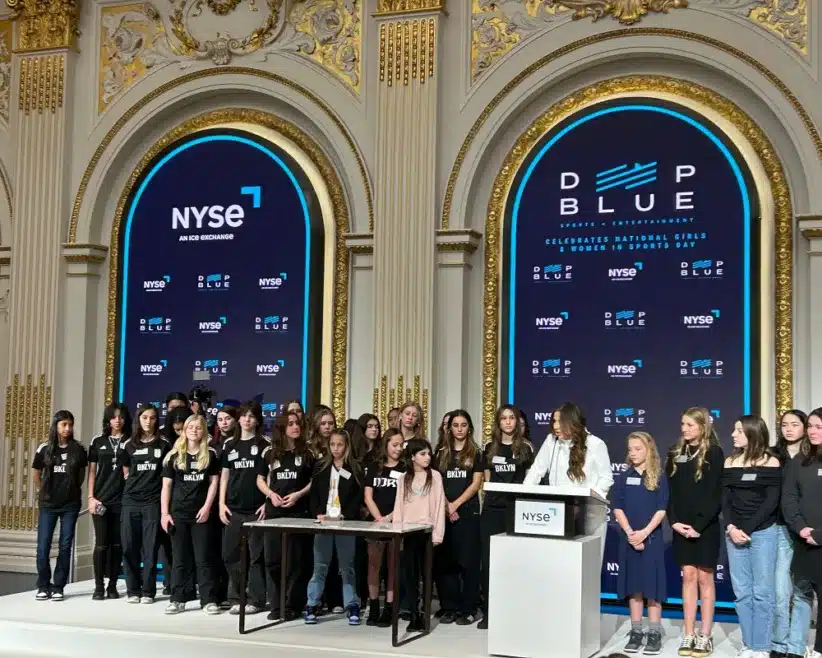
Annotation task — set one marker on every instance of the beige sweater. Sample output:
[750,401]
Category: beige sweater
[428,507]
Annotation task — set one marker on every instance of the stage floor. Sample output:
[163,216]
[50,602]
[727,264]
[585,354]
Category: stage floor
[79,626]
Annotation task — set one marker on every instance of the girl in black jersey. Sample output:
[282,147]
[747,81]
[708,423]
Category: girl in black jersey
[457,565]
[507,458]
[225,429]
[105,493]
[242,501]
[381,478]
[190,482]
[319,431]
[367,438]
[171,431]
[141,460]
[284,479]
[58,471]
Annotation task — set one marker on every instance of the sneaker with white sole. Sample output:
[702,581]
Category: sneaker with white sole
[703,646]
[175,608]
[653,643]
[213,609]
[810,653]
[42,595]
[133,599]
[249,609]
[146,600]
[686,645]
[57,596]
[636,638]
[337,610]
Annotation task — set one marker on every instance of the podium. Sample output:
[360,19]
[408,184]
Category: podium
[544,573]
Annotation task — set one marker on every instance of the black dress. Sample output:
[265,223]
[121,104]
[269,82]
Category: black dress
[697,504]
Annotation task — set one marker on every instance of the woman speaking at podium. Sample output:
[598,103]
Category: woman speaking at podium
[572,456]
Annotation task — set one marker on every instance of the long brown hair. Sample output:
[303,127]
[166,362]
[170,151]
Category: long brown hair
[382,451]
[316,443]
[419,430]
[707,438]
[414,446]
[279,442]
[349,459]
[521,448]
[756,432]
[572,422]
[445,452]
[811,453]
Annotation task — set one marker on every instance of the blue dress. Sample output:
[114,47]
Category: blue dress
[641,571]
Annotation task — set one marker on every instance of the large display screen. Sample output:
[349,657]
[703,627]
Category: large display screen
[220,240]
[631,283]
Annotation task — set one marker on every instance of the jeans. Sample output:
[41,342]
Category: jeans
[752,577]
[323,550]
[802,602]
[46,525]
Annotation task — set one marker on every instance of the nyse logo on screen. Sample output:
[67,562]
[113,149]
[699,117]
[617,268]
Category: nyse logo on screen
[555,273]
[216,367]
[203,218]
[543,417]
[215,281]
[701,369]
[551,368]
[702,269]
[273,282]
[624,370]
[624,416]
[270,369]
[552,323]
[626,178]
[625,319]
[701,321]
[153,369]
[213,326]
[625,273]
[157,285]
[271,324]
[155,325]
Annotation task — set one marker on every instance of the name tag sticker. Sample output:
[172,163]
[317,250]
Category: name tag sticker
[634,482]
[344,473]
[141,451]
[749,477]
[499,459]
[682,459]
[64,456]
[395,475]
[298,461]
[254,450]
[275,465]
[819,473]
[233,455]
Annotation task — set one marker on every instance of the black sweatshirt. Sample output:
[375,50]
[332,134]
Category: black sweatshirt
[751,497]
[802,497]
[696,503]
[350,491]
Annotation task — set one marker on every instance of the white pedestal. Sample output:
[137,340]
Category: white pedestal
[543,597]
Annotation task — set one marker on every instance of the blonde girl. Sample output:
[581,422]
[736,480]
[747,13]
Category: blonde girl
[694,470]
[190,481]
[412,422]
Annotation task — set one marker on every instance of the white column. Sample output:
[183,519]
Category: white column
[811,228]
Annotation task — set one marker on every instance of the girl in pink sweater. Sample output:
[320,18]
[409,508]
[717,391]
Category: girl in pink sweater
[420,499]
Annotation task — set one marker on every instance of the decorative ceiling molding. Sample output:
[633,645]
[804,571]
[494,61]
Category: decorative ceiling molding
[45,24]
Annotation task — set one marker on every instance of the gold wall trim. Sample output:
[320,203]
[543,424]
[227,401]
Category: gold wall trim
[407,50]
[609,36]
[404,7]
[336,191]
[42,79]
[199,75]
[45,24]
[385,399]
[783,220]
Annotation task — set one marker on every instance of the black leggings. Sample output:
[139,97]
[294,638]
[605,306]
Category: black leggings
[492,522]
[108,550]
[413,560]
[457,565]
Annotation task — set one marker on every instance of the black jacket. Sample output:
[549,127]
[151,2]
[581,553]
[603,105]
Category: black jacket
[351,491]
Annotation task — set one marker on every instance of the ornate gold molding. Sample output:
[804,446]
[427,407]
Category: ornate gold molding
[385,399]
[626,12]
[45,24]
[341,218]
[28,409]
[396,7]
[783,220]
[407,50]
[42,82]
[775,80]
[5,69]
[129,114]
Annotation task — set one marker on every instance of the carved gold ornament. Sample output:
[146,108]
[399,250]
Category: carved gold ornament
[402,6]
[5,69]
[224,7]
[600,92]
[45,24]
[626,12]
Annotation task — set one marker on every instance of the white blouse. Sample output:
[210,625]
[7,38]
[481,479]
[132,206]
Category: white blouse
[553,459]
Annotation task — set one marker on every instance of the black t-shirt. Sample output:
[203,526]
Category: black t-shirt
[456,478]
[384,484]
[507,470]
[242,459]
[190,487]
[60,487]
[108,476]
[145,471]
[285,476]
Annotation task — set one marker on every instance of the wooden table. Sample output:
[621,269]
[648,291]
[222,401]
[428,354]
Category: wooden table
[369,530]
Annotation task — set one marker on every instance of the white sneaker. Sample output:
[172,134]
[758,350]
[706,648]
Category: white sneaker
[42,596]
[744,652]
[338,610]
[57,596]
[174,608]
[146,600]
[133,599]
[810,653]
[249,609]
[212,609]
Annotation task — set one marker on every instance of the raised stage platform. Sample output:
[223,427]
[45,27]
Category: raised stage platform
[81,627]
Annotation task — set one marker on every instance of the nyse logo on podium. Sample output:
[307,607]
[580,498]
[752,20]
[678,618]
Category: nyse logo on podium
[608,185]
[539,517]
[627,416]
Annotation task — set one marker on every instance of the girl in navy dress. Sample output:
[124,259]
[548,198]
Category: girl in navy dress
[640,500]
